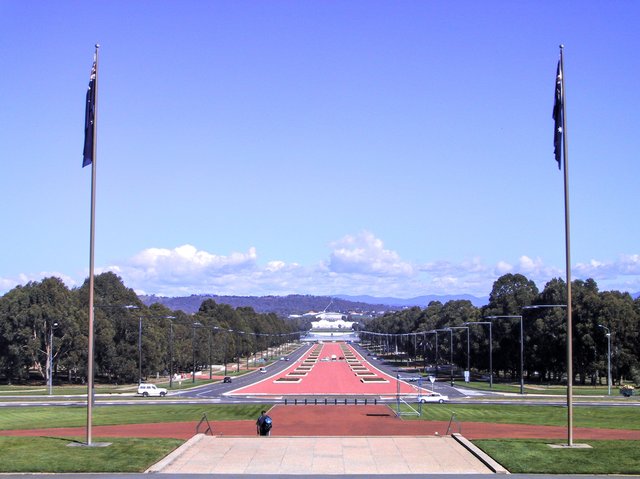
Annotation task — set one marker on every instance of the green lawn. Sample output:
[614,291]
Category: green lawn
[63,390]
[542,389]
[52,455]
[598,417]
[534,456]
[57,416]
[79,390]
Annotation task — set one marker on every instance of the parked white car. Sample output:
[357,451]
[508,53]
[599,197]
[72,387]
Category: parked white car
[433,397]
[147,390]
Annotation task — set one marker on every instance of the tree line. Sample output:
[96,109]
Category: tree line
[594,313]
[46,321]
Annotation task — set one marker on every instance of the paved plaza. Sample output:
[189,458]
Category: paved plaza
[323,455]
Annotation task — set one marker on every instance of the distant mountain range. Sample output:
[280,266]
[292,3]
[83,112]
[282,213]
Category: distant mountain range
[299,304]
[421,301]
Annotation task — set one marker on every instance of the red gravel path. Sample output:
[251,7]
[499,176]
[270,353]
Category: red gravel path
[336,421]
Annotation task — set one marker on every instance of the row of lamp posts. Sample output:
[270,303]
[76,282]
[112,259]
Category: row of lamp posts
[490,325]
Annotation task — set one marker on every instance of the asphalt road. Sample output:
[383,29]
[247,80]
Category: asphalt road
[214,392]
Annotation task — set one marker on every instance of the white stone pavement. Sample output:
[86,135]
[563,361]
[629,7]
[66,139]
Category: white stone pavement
[322,455]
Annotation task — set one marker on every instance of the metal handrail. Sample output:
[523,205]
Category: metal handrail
[452,420]
[204,420]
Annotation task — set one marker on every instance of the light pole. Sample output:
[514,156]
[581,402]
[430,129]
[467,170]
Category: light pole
[436,355]
[52,325]
[139,349]
[193,350]
[490,349]
[424,349]
[131,306]
[468,347]
[569,333]
[608,334]
[238,344]
[170,318]
[450,350]
[225,358]
[516,316]
[139,343]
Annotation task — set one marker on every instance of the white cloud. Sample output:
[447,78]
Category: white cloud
[356,264]
[184,270]
[365,254]
[627,265]
[503,268]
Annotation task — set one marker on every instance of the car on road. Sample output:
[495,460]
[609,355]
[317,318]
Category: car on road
[226,379]
[411,379]
[263,370]
[432,397]
[147,390]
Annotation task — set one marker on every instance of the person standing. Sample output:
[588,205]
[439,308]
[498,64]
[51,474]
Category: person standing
[263,424]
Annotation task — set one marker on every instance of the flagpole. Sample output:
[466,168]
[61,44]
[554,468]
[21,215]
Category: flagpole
[568,260]
[91,256]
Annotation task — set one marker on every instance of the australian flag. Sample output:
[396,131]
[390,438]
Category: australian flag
[90,118]
[558,117]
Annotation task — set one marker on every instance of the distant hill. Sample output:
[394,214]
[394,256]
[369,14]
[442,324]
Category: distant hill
[421,301]
[299,304]
[281,305]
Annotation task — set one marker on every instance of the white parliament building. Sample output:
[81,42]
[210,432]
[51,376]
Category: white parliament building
[327,320]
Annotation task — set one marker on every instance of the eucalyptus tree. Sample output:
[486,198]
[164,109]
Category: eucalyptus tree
[117,313]
[35,325]
[546,333]
[620,313]
[509,294]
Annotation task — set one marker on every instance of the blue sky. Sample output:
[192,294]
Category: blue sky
[322,147]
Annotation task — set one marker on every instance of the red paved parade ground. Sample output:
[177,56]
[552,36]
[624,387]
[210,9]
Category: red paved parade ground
[348,374]
[323,420]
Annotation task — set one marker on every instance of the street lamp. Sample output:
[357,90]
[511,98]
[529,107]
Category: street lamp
[608,334]
[52,325]
[450,350]
[225,358]
[490,349]
[516,316]
[569,349]
[193,349]
[170,318]
[130,306]
[424,348]
[468,347]
[139,343]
